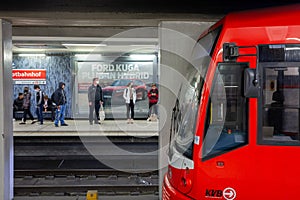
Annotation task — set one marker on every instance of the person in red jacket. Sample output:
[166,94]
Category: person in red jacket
[153,99]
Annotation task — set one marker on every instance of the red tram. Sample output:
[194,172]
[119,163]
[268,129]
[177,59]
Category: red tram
[235,126]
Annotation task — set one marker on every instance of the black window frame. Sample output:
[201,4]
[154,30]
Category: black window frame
[208,116]
[260,137]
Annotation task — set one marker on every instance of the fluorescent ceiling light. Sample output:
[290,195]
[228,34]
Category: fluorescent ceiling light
[292,48]
[39,46]
[84,45]
[297,39]
[88,56]
[141,45]
[31,54]
[142,56]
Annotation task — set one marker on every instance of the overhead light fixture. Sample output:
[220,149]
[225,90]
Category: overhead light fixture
[31,54]
[39,46]
[142,56]
[140,45]
[297,39]
[84,45]
[292,48]
[88,56]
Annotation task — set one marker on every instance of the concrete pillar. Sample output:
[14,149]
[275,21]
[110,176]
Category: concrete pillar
[176,42]
[6,101]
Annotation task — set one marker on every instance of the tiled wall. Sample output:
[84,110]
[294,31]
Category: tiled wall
[58,70]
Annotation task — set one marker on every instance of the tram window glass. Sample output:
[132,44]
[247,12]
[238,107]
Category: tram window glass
[184,115]
[227,112]
[188,107]
[209,41]
[281,103]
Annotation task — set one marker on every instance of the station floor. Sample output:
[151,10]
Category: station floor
[141,197]
[81,127]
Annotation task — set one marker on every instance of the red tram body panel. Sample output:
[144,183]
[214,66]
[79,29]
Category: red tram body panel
[235,128]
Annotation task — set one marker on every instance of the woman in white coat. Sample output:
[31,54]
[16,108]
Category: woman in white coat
[130,97]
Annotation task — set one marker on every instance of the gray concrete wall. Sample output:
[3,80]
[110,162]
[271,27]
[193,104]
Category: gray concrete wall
[176,42]
[6,101]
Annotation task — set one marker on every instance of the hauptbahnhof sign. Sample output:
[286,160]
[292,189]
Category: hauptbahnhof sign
[29,76]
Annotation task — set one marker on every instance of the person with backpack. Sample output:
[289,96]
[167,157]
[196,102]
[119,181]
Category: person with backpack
[39,103]
[26,106]
[18,105]
[59,98]
[130,97]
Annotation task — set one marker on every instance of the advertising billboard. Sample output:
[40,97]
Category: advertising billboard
[113,78]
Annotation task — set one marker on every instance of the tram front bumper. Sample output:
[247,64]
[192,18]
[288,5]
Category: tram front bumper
[170,193]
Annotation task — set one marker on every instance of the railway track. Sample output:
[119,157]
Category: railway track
[64,166]
[94,153]
[78,182]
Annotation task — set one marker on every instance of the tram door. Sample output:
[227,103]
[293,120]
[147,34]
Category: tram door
[225,160]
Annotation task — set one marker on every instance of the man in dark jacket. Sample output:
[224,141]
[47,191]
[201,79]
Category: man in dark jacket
[59,98]
[95,100]
[39,103]
[18,104]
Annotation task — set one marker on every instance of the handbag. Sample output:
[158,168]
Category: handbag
[102,113]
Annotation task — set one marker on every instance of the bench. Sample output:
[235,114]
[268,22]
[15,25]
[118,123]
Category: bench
[19,115]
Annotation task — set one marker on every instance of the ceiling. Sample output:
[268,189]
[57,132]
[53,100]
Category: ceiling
[139,6]
[107,26]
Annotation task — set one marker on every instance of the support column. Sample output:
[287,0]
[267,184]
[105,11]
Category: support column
[6,101]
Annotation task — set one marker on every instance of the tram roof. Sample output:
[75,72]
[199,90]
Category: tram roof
[273,16]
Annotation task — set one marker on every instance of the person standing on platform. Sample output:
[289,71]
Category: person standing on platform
[95,100]
[59,98]
[18,104]
[130,97]
[153,99]
[39,103]
[26,106]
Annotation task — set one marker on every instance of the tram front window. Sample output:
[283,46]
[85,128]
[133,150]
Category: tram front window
[227,112]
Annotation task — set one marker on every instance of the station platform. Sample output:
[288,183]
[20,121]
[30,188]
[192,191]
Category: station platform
[81,127]
[141,197]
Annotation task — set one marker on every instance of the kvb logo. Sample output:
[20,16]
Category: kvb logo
[213,193]
[227,193]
